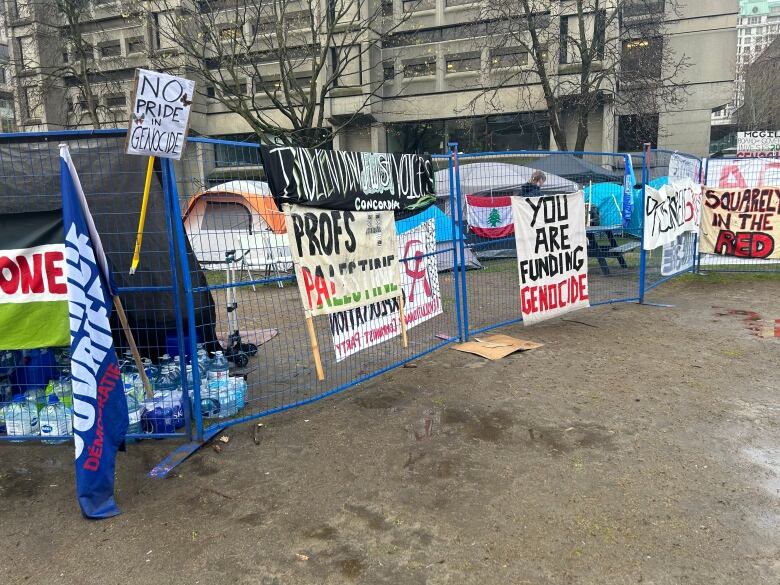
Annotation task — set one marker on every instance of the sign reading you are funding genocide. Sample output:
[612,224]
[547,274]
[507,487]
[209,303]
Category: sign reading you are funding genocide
[159,114]
[343,259]
[354,181]
[552,255]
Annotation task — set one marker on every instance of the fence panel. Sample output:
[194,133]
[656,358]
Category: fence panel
[679,257]
[237,234]
[491,296]
[740,173]
[113,184]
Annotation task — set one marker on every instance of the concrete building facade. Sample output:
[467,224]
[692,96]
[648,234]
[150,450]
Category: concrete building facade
[432,69]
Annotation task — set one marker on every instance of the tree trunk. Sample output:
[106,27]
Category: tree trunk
[583,116]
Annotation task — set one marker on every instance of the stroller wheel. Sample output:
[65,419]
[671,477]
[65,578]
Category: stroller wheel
[249,348]
[241,360]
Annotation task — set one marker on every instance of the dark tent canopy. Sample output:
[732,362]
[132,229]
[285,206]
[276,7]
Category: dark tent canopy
[576,169]
[113,184]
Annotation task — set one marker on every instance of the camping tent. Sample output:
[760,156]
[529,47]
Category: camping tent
[240,216]
[444,241]
[496,176]
[113,185]
[577,169]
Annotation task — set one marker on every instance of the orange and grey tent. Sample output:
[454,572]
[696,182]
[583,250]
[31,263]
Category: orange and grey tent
[227,216]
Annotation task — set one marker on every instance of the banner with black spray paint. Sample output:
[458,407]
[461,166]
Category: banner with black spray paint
[671,211]
[552,256]
[343,259]
[357,329]
[353,181]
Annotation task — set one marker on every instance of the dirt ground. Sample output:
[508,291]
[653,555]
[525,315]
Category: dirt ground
[641,444]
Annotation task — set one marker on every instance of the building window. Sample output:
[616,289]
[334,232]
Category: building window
[110,49]
[102,2]
[345,62]
[135,45]
[4,55]
[268,85]
[564,41]
[600,32]
[25,46]
[464,63]
[636,129]
[388,71]
[117,100]
[508,57]
[210,93]
[641,58]
[415,5]
[643,8]
[229,33]
[33,104]
[3,78]
[420,68]
[387,8]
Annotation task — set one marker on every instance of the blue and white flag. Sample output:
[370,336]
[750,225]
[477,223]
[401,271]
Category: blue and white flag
[99,406]
[628,191]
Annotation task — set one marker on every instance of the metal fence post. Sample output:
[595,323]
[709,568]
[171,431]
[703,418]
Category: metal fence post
[456,262]
[461,241]
[180,250]
[642,251]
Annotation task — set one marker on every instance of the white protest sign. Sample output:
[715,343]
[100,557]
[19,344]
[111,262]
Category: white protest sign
[758,144]
[671,211]
[677,256]
[343,259]
[159,114]
[552,257]
[683,167]
[357,329]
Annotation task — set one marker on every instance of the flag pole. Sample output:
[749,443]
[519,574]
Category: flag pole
[142,219]
[404,340]
[120,311]
[315,348]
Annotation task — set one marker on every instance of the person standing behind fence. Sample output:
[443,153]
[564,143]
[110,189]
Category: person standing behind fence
[533,188]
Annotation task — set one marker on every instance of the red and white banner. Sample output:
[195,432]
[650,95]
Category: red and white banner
[490,217]
[552,255]
[363,327]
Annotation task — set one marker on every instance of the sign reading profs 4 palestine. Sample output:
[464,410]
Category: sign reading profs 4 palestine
[357,329]
[551,255]
[354,181]
[159,114]
[744,223]
[343,259]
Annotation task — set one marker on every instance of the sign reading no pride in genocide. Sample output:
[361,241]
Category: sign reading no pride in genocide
[744,223]
[551,255]
[357,329]
[159,114]
[343,259]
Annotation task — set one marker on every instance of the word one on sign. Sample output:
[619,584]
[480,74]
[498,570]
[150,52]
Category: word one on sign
[552,257]
[159,114]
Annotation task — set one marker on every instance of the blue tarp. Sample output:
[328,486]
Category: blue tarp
[443,223]
[605,195]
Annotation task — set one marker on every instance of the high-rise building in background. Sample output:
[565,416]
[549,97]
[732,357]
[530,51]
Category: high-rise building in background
[757,26]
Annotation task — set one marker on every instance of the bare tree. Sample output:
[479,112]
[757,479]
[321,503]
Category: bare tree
[760,109]
[574,56]
[276,63]
[64,55]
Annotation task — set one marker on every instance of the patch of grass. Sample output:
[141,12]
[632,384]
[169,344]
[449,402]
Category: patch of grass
[500,265]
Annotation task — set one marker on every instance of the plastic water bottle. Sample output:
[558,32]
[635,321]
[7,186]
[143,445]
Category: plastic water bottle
[54,420]
[21,418]
[219,370]
[238,386]
[36,397]
[2,420]
[134,412]
[151,370]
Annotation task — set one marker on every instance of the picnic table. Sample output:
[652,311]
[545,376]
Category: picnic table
[602,244]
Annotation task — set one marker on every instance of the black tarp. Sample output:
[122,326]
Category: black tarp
[113,184]
[576,169]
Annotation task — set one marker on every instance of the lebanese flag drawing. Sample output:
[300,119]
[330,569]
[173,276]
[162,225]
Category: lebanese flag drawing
[490,217]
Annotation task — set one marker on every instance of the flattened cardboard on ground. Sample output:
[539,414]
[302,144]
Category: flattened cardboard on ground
[495,347]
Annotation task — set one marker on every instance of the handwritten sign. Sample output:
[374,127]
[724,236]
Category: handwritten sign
[159,114]
[357,329]
[671,211]
[355,181]
[343,259]
[552,257]
[742,173]
[678,256]
[744,223]
[683,167]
